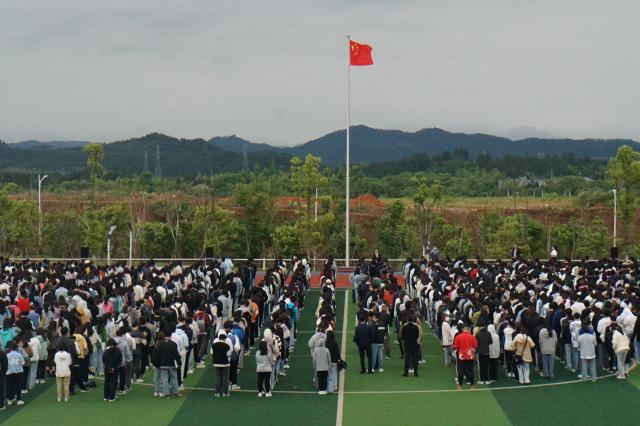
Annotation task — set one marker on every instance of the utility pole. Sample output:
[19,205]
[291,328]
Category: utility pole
[158,169]
[245,158]
[40,180]
[146,162]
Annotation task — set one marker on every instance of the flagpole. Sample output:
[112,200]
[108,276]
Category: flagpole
[348,163]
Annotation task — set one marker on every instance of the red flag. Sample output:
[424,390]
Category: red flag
[360,54]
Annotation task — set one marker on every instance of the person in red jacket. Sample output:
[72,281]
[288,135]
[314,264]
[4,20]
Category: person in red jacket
[465,345]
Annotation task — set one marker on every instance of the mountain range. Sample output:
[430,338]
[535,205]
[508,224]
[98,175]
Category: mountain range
[189,157]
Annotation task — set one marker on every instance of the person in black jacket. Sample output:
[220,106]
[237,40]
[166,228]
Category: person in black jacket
[410,335]
[484,342]
[112,359]
[363,337]
[167,358]
[4,364]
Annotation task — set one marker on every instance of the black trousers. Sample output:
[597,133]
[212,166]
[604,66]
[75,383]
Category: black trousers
[365,350]
[508,361]
[264,382]
[3,380]
[137,365]
[322,379]
[493,369]
[233,372]
[84,370]
[14,386]
[144,360]
[110,384]
[122,374]
[465,370]
[411,360]
[483,360]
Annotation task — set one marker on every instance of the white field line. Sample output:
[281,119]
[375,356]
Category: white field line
[343,355]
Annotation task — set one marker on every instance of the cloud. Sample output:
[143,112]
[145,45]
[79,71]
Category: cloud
[106,70]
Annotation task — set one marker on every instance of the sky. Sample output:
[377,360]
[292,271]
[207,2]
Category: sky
[276,71]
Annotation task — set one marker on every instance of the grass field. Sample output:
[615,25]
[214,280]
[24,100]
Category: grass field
[385,398]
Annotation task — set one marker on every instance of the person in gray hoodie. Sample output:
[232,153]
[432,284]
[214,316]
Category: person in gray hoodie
[321,364]
[265,361]
[548,340]
[587,347]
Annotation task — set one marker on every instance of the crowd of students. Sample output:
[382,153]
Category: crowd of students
[523,315]
[515,315]
[76,321]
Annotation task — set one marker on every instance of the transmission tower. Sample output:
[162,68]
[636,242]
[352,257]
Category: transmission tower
[158,169]
[245,158]
[146,161]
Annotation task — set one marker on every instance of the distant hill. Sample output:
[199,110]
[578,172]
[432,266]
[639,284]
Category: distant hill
[370,145]
[526,132]
[189,157]
[178,157]
[49,144]
[235,144]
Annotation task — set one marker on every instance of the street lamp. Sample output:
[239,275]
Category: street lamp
[40,180]
[615,214]
[130,244]
[111,229]
[546,206]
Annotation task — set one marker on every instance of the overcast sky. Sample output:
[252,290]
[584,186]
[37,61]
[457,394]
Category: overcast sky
[275,71]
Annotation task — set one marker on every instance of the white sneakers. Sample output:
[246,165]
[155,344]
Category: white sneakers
[259,394]
[380,370]
[322,392]
[268,395]
[235,387]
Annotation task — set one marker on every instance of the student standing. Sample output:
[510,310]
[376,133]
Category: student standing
[15,369]
[484,344]
[3,377]
[112,360]
[363,337]
[221,361]
[523,345]
[548,340]
[465,345]
[334,350]
[410,335]
[494,354]
[322,364]
[587,347]
[621,346]
[264,364]
[62,360]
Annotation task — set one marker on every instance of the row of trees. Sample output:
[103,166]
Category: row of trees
[256,228]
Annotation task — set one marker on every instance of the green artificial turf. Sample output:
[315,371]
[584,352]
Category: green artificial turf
[380,398]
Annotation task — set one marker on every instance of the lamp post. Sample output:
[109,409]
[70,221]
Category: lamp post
[546,206]
[111,229]
[615,215]
[40,180]
[131,244]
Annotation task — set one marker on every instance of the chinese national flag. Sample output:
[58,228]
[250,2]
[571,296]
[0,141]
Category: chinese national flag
[360,54]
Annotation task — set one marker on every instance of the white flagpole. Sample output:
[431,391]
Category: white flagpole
[348,163]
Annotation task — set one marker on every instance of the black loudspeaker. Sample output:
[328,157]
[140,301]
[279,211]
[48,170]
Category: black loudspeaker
[614,252]
[84,253]
[208,255]
[208,252]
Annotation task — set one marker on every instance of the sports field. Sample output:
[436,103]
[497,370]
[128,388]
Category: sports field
[385,398]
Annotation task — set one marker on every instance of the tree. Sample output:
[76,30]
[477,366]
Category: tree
[394,235]
[305,179]
[95,155]
[425,201]
[257,217]
[624,169]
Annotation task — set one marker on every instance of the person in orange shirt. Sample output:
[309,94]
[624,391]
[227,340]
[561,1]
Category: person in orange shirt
[253,327]
[465,345]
